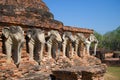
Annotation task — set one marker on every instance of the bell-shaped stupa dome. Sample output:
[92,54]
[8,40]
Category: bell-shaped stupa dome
[27,12]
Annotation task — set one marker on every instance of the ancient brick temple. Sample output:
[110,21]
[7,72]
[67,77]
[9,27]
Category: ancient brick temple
[35,14]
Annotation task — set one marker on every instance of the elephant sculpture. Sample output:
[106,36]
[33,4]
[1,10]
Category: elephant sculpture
[35,39]
[53,41]
[68,39]
[79,39]
[14,40]
[88,41]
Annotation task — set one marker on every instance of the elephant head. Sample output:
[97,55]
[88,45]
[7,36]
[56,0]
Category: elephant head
[6,31]
[54,38]
[35,40]
[89,40]
[68,39]
[80,38]
[35,34]
[56,35]
[94,40]
[14,39]
[68,35]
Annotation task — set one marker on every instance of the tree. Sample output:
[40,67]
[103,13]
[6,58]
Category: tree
[111,40]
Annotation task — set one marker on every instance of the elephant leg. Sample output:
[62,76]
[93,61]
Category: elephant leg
[88,49]
[8,51]
[58,51]
[68,50]
[49,50]
[76,48]
[83,54]
[59,48]
[79,49]
[64,48]
[72,48]
[72,51]
[31,50]
[54,48]
[41,51]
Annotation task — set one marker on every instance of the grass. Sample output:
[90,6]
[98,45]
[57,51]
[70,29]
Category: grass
[113,73]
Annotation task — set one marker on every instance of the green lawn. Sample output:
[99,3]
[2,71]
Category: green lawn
[113,73]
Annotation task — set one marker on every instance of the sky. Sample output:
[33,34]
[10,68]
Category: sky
[100,15]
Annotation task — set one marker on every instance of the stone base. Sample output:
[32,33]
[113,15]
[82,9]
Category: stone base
[75,68]
[95,72]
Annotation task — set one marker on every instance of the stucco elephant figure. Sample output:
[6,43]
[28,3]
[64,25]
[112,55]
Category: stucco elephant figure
[88,41]
[68,39]
[53,41]
[35,39]
[14,39]
[79,39]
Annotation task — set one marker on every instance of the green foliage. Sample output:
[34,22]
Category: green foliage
[111,40]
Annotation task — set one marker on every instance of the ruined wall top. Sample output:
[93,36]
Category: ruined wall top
[76,29]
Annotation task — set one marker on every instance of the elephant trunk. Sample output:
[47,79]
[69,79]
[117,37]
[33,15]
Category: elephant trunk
[95,47]
[16,54]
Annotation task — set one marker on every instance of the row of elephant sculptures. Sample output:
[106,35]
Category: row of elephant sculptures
[36,39]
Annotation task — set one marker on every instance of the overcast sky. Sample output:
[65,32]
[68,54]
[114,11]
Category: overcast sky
[100,15]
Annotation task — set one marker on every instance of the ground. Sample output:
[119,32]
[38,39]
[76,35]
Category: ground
[113,73]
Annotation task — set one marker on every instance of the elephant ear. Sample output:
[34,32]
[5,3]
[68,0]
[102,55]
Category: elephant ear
[6,32]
